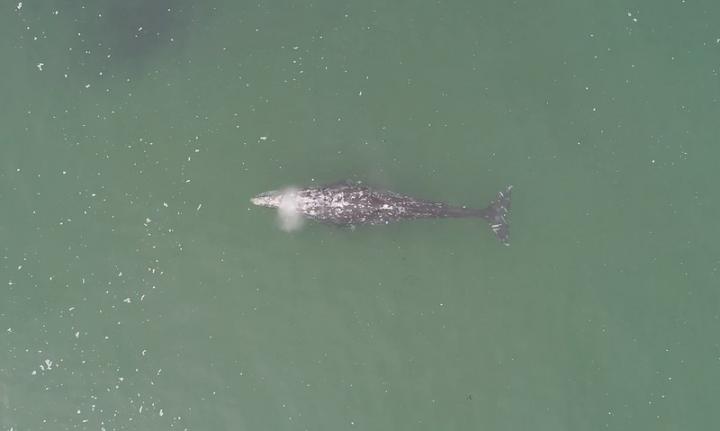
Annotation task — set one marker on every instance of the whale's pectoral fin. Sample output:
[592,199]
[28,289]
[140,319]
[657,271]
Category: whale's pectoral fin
[498,213]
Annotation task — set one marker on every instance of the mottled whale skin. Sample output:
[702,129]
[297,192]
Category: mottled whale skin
[349,203]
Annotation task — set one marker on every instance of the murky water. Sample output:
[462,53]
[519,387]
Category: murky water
[140,290]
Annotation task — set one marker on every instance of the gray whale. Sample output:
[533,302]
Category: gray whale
[350,203]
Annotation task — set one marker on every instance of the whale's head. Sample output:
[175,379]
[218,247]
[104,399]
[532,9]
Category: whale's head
[288,203]
[271,199]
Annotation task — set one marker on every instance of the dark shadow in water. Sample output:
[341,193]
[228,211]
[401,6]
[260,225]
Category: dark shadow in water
[135,30]
[129,34]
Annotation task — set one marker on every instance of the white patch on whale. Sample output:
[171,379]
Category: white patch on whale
[289,218]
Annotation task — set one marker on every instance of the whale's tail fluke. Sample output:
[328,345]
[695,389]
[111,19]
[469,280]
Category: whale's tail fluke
[497,214]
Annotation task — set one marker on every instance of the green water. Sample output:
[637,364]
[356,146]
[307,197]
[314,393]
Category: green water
[139,290]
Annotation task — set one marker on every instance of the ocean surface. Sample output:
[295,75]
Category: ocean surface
[139,290]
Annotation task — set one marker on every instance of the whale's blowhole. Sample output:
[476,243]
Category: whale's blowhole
[289,217]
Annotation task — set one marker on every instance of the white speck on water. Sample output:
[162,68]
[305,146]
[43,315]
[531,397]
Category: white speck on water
[198,207]
[263,138]
[40,66]
[48,364]
[147,220]
[19,6]
[77,334]
[120,274]
[87,85]
[165,204]
[161,412]
[34,373]
[9,330]
[127,300]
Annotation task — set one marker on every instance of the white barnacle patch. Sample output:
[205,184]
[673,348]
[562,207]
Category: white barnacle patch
[338,201]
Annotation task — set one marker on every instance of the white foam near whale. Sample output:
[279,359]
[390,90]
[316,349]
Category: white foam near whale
[289,218]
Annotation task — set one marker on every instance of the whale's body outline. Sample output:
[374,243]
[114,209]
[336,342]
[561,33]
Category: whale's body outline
[351,203]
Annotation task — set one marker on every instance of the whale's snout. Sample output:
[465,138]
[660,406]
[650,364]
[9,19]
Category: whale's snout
[269,199]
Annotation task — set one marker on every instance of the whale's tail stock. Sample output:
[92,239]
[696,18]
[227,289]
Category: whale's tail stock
[497,214]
